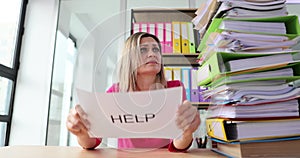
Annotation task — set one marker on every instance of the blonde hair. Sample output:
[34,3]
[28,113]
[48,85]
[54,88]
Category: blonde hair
[131,60]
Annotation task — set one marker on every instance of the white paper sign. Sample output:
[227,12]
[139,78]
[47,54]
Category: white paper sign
[148,114]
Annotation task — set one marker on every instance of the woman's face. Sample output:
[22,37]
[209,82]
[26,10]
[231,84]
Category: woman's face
[151,57]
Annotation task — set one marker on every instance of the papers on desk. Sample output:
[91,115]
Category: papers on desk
[149,114]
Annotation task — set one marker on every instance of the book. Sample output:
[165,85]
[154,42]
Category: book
[281,147]
[252,129]
[278,109]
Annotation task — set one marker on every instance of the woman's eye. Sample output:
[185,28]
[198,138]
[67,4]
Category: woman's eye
[155,50]
[143,50]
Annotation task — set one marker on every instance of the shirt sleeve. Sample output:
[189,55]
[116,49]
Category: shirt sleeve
[177,83]
[98,141]
[172,148]
[114,88]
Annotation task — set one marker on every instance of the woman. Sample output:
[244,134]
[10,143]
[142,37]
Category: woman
[141,69]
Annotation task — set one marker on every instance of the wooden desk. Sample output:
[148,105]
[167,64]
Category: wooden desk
[77,152]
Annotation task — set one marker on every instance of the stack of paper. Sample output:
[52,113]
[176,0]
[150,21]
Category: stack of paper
[204,14]
[244,42]
[255,62]
[251,9]
[277,109]
[280,147]
[253,27]
[249,61]
[249,93]
[253,129]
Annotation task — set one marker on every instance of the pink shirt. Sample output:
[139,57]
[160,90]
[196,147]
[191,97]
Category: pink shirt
[146,142]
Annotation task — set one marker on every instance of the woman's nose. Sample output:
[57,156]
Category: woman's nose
[151,53]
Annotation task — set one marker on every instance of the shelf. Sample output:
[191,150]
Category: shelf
[180,60]
[163,15]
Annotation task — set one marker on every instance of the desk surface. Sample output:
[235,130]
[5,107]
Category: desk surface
[77,152]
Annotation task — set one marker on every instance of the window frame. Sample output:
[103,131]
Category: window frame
[12,73]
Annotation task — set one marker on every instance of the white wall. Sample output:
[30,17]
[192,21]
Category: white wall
[33,83]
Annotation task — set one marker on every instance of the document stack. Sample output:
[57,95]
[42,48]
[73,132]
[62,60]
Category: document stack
[249,64]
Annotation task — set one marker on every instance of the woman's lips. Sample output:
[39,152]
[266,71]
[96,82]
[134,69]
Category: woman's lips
[152,62]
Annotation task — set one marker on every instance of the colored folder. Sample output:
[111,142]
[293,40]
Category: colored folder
[168,73]
[291,22]
[143,27]
[135,27]
[176,37]
[261,76]
[185,48]
[191,37]
[160,33]
[186,80]
[194,87]
[176,73]
[151,28]
[243,130]
[168,38]
[217,66]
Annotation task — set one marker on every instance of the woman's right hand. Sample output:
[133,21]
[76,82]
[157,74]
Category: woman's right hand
[77,122]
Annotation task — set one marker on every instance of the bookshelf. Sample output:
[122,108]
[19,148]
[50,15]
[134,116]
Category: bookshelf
[168,15]
[180,60]
[164,15]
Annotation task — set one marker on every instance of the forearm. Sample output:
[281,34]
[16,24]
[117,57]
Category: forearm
[183,142]
[88,143]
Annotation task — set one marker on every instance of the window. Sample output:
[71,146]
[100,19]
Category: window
[61,90]
[12,14]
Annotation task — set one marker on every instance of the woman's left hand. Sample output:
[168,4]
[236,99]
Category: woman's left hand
[188,118]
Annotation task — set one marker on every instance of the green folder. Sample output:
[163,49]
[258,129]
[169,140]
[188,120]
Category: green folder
[291,23]
[226,79]
[215,67]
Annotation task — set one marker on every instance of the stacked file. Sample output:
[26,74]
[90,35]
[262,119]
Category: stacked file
[237,9]
[249,66]
[251,9]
